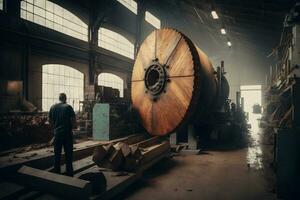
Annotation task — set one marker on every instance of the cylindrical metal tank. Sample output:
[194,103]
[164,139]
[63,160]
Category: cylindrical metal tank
[173,82]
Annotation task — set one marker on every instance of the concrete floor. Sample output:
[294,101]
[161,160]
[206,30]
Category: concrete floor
[215,175]
[232,174]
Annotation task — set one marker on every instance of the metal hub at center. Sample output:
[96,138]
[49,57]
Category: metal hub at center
[155,78]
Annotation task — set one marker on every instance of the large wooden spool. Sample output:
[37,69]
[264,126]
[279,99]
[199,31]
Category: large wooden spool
[173,82]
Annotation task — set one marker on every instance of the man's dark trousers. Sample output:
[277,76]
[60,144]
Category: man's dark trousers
[67,142]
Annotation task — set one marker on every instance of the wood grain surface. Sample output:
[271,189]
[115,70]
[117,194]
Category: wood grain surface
[170,110]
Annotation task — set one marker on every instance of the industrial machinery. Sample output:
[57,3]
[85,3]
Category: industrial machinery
[113,117]
[174,85]
[114,120]
[174,89]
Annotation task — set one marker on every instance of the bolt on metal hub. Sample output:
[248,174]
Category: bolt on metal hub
[156,78]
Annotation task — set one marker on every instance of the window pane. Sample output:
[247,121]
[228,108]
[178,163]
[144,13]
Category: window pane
[23,14]
[40,3]
[49,24]
[39,20]
[29,16]
[39,11]
[49,6]
[49,16]
[43,12]
[29,7]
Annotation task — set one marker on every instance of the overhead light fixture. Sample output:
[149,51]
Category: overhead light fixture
[214,14]
[229,44]
[223,31]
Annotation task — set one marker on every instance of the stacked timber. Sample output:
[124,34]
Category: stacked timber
[130,155]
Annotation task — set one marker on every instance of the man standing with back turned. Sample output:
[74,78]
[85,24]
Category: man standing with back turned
[62,119]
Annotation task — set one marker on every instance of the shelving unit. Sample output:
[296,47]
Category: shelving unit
[282,112]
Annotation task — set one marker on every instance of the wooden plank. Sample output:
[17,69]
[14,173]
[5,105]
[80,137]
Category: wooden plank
[155,151]
[22,192]
[115,183]
[133,163]
[56,184]
[118,184]
[79,165]
[147,143]
[42,158]
[136,138]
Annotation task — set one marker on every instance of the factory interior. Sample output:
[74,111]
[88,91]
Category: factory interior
[149,99]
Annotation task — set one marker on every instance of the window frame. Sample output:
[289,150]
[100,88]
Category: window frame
[152,19]
[115,42]
[57,78]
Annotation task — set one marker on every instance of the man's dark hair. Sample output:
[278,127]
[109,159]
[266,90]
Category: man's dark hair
[62,97]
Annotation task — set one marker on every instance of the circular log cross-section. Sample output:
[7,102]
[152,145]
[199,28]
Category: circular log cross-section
[166,81]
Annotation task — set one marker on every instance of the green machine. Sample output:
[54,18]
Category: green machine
[113,120]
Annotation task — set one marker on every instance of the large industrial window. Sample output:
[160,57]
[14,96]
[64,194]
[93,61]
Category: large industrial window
[111,80]
[130,4]
[1,4]
[53,16]
[60,78]
[115,42]
[154,21]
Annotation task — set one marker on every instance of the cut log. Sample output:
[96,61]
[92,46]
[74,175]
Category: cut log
[136,152]
[126,150]
[116,159]
[108,156]
[154,151]
[100,152]
[124,156]
[118,154]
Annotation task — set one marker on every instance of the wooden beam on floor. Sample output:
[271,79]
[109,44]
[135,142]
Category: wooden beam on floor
[64,186]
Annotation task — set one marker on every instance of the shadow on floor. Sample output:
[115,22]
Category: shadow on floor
[160,168]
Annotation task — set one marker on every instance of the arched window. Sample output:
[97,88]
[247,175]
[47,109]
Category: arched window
[111,80]
[115,42]
[53,16]
[60,78]
[130,4]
